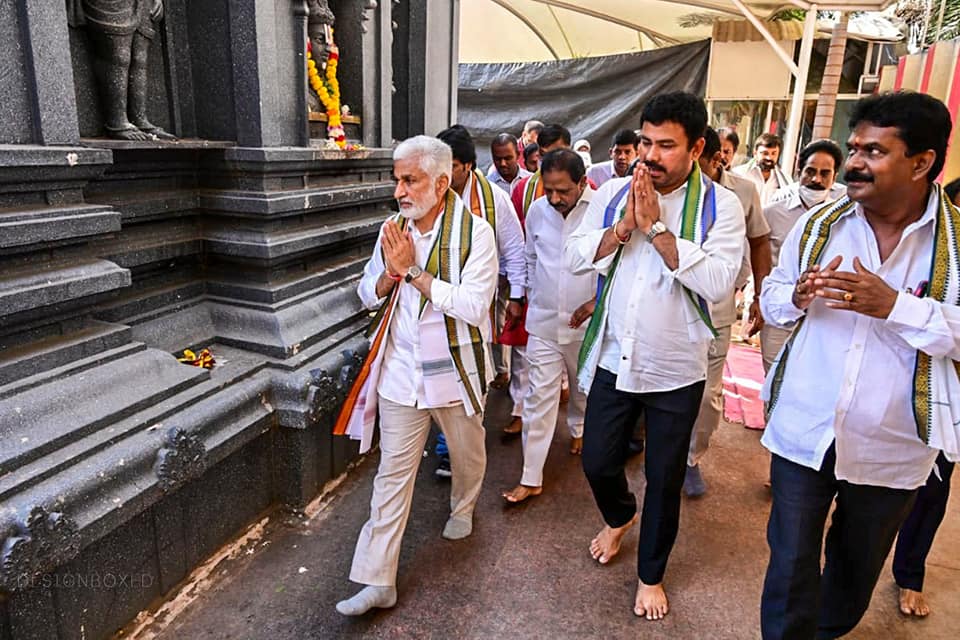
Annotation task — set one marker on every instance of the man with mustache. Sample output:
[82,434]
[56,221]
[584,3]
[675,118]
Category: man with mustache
[667,241]
[505,172]
[558,306]
[429,358]
[623,152]
[866,390]
[763,168]
[756,257]
[819,161]
[729,143]
[494,206]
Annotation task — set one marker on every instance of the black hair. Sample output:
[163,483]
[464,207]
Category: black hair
[626,136]
[461,143]
[826,146]
[769,140]
[728,134]
[505,138]
[952,189]
[922,122]
[680,107]
[564,160]
[711,144]
[551,133]
[529,149]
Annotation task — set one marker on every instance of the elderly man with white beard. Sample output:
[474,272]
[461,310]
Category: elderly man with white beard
[432,277]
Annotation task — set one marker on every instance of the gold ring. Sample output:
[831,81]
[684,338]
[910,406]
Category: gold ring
[848,297]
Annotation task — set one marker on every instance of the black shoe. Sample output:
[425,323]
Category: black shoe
[443,469]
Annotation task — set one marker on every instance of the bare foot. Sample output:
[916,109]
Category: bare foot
[520,493]
[651,602]
[607,543]
[912,603]
[576,446]
[515,426]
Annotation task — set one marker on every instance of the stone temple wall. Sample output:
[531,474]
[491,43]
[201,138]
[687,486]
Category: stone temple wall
[122,469]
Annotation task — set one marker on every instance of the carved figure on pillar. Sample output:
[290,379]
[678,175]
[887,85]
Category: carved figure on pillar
[319,24]
[120,33]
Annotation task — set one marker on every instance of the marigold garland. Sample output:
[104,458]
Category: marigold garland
[327,89]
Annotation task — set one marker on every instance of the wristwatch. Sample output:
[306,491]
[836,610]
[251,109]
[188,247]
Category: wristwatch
[657,228]
[412,272]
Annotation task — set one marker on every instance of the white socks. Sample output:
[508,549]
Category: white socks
[457,528]
[368,598]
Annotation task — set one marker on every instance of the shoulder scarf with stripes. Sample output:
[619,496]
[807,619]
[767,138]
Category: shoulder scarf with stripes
[448,255]
[936,381]
[532,190]
[481,199]
[699,214]
[782,178]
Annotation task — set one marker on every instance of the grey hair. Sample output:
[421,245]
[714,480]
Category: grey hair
[435,156]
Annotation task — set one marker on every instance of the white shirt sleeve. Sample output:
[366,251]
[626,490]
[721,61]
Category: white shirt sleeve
[530,250]
[470,300]
[367,288]
[927,325]
[510,243]
[583,243]
[710,270]
[776,298]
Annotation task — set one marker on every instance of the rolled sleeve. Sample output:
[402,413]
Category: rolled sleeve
[470,300]
[776,297]
[926,325]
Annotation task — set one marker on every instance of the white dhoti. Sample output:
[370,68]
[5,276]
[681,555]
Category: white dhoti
[547,362]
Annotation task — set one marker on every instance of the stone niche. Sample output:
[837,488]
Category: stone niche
[122,469]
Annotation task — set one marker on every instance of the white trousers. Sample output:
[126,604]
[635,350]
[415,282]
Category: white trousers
[519,372]
[711,406]
[548,360]
[403,434]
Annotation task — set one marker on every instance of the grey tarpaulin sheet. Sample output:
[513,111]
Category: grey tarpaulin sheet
[593,97]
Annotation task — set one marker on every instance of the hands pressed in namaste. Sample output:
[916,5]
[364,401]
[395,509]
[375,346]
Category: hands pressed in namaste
[643,206]
[861,290]
[398,251]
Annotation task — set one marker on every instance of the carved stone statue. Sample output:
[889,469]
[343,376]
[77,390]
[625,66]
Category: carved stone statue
[320,31]
[120,32]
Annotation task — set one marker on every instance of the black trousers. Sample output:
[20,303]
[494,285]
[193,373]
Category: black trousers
[798,601]
[916,534]
[608,427]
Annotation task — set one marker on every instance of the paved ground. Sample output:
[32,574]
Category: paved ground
[525,572]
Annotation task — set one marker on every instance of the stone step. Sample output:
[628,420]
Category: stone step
[43,418]
[40,356]
[24,290]
[284,243]
[24,229]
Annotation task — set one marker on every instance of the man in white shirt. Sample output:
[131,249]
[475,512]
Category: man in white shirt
[663,256]
[623,152]
[820,162]
[868,377]
[558,303]
[505,172]
[763,169]
[476,190]
[756,257]
[435,363]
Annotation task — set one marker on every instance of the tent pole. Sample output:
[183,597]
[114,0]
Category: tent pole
[759,26]
[799,91]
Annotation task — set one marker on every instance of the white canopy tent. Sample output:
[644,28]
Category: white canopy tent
[490,30]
